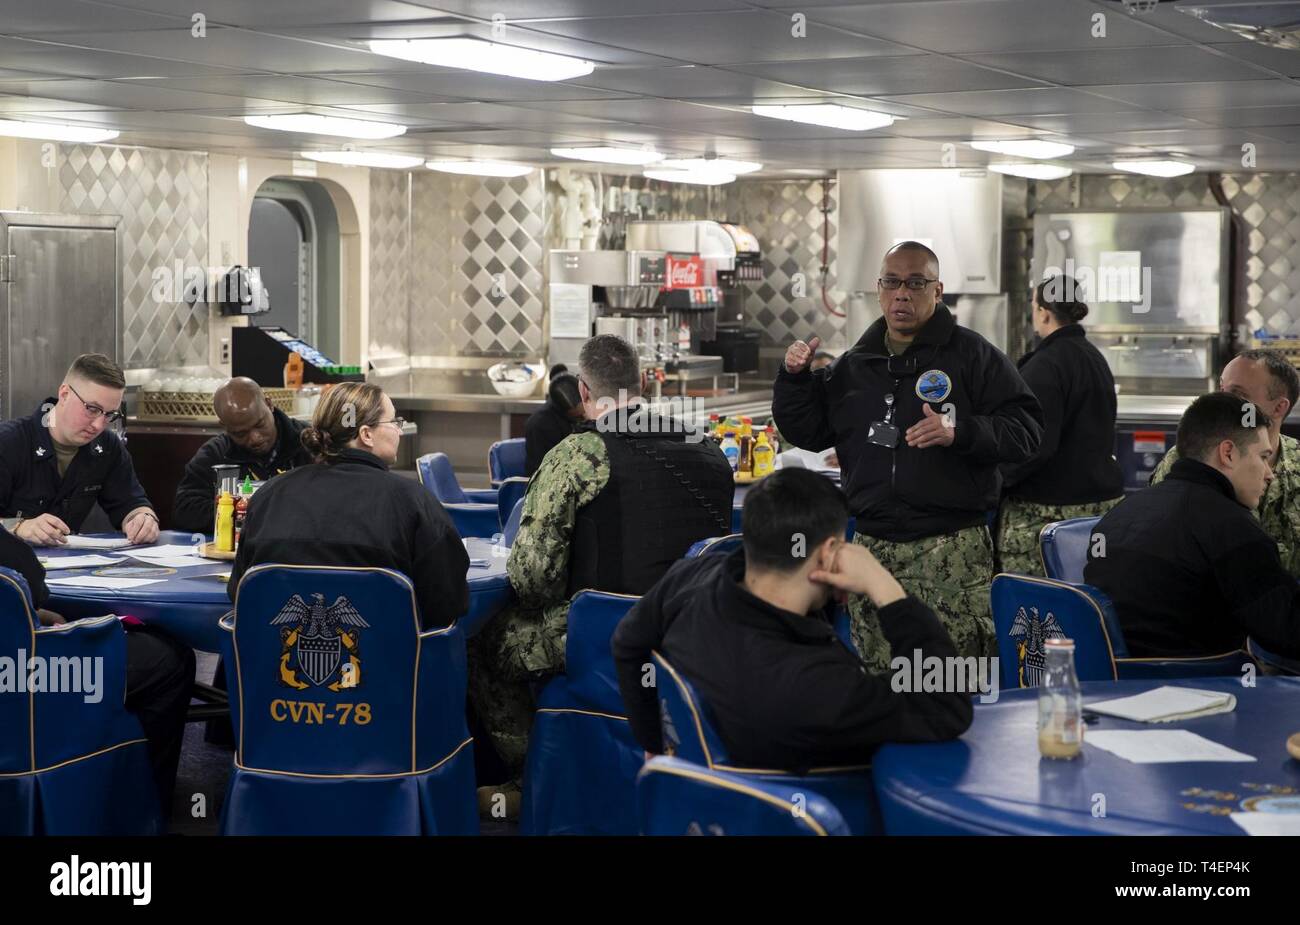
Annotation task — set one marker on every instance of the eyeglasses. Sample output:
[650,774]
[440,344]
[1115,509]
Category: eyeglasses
[915,283]
[95,412]
[400,422]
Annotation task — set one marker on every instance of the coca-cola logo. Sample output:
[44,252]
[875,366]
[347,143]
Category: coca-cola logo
[684,273]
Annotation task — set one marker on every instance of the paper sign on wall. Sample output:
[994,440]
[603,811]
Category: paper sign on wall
[570,310]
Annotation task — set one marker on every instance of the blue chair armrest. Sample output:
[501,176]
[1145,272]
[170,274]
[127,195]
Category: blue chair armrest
[475,519]
[481,495]
[1280,662]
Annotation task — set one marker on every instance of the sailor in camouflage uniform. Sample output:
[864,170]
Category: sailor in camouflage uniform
[611,508]
[1073,473]
[921,412]
[1266,378]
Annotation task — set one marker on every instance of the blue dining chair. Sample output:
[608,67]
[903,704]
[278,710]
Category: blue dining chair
[689,733]
[348,719]
[580,771]
[473,511]
[508,492]
[69,766]
[716,544]
[1064,548]
[1027,611]
[511,529]
[677,797]
[506,459]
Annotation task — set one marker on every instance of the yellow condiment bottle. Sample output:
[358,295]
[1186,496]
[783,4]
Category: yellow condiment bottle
[225,538]
[764,458]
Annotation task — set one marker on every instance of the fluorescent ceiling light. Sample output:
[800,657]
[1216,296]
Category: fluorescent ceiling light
[631,156]
[702,178]
[488,57]
[1033,171]
[309,124]
[1025,148]
[1154,167]
[364,158]
[52,131]
[827,114]
[711,165]
[481,168]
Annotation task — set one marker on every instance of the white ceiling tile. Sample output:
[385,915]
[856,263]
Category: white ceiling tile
[723,38]
[1247,116]
[886,76]
[62,59]
[1024,101]
[1202,94]
[1162,64]
[993,26]
[45,17]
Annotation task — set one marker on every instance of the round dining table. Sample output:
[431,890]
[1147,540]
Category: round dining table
[992,780]
[188,600]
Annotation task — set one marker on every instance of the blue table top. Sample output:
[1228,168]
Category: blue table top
[188,602]
[992,779]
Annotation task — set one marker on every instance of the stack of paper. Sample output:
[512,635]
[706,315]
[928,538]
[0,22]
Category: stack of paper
[1268,823]
[1167,705]
[100,581]
[170,556]
[76,541]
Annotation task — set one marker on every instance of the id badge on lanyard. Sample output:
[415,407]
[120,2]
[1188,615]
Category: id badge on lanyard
[885,432]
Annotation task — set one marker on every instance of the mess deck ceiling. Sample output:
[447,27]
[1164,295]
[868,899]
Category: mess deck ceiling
[675,74]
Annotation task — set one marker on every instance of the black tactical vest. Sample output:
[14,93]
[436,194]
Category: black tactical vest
[666,491]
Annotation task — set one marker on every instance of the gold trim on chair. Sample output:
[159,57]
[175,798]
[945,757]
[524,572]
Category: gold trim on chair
[580,712]
[79,758]
[738,788]
[32,622]
[396,774]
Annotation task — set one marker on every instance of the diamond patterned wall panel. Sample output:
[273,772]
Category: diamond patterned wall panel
[477,260]
[390,267]
[162,197]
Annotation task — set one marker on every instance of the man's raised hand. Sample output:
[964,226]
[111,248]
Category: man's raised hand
[800,355]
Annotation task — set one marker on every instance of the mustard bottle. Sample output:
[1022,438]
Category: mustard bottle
[764,458]
[225,537]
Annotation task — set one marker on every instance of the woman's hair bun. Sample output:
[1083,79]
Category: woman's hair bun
[1078,311]
[313,440]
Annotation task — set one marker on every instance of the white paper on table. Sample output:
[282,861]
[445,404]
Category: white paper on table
[1268,823]
[172,561]
[1166,704]
[1161,746]
[76,541]
[62,562]
[804,459]
[169,551]
[100,581]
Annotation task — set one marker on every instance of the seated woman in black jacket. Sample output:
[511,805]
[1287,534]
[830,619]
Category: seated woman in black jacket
[347,509]
[1074,472]
[554,422]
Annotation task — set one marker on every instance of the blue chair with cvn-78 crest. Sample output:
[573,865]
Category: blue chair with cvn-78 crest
[348,719]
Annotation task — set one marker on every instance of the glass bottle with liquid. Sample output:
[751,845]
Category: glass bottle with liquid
[1060,703]
[731,449]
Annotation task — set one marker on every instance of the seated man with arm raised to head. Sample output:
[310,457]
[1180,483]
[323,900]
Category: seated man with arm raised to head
[752,632]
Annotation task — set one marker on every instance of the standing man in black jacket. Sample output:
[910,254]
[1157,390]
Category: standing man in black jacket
[921,412]
[66,456]
[752,632]
[1188,566]
[1074,472]
[263,441]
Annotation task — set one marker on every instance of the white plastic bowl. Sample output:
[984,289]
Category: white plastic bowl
[511,389]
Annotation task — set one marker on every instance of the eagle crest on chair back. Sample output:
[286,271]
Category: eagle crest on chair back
[314,637]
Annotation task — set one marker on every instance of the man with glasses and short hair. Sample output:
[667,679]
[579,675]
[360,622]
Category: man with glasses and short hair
[263,441]
[58,462]
[920,412]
